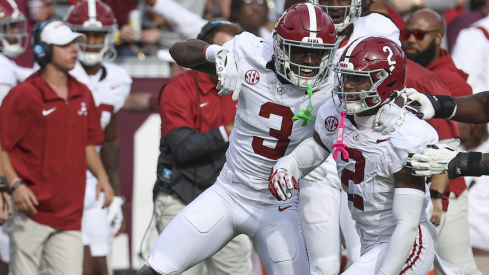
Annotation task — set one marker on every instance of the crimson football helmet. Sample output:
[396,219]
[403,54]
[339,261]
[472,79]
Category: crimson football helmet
[377,61]
[349,13]
[93,16]
[13,29]
[304,29]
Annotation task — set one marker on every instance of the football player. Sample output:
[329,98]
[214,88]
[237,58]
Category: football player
[385,200]
[323,208]
[110,86]
[270,78]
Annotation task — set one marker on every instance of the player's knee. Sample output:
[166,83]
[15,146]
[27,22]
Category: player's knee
[326,266]
[146,270]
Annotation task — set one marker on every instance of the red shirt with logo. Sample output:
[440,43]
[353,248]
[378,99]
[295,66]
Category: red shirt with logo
[45,137]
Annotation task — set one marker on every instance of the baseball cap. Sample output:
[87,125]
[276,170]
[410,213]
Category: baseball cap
[59,33]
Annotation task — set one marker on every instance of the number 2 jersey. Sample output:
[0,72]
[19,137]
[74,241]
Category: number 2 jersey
[263,130]
[368,174]
[110,88]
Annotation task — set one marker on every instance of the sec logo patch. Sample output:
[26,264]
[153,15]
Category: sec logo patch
[331,123]
[252,77]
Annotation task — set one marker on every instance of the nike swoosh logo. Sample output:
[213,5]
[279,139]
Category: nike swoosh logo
[280,208]
[47,112]
[382,140]
[203,104]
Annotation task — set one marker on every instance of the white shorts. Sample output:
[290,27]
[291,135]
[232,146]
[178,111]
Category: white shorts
[223,211]
[95,229]
[419,261]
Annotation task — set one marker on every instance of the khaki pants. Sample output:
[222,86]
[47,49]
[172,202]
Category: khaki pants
[234,258]
[31,241]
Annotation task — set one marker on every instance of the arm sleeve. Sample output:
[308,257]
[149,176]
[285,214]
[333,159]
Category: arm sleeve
[306,157]
[407,208]
[186,144]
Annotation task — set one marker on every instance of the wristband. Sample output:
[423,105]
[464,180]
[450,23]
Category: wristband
[3,184]
[17,185]
[211,51]
[435,194]
[445,106]
[14,182]
[466,164]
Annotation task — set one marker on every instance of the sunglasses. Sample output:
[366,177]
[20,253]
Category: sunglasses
[418,34]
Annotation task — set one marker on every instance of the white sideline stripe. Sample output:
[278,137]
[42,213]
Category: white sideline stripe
[353,46]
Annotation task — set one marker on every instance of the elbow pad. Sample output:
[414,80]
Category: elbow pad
[306,157]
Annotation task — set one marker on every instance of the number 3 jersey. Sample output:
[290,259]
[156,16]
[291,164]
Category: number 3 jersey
[110,88]
[368,174]
[263,130]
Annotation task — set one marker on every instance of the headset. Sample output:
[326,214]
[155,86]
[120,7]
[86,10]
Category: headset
[209,26]
[43,52]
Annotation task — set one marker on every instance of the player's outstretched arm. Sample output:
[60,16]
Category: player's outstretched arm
[407,208]
[441,159]
[289,169]
[192,54]
[473,109]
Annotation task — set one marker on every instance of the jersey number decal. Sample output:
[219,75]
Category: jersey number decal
[357,177]
[389,57]
[281,135]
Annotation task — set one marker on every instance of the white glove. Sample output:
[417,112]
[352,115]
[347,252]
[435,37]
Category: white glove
[421,103]
[280,183]
[433,161]
[115,215]
[228,78]
[317,174]
[388,118]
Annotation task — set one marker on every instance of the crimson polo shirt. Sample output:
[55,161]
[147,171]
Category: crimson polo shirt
[181,107]
[45,137]
[456,81]
[427,82]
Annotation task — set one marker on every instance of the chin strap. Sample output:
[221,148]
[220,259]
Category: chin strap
[306,114]
[339,145]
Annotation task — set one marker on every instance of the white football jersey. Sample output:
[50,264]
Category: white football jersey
[12,74]
[368,174]
[264,130]
[110,88]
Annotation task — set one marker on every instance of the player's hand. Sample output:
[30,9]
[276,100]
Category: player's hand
[436,213]
[280,183]
[5,207]
[103,185]
[150,36]
[433,161]
[388,118]
[116,216]
[228,77]
[24,199]
[317,174]
[421,102]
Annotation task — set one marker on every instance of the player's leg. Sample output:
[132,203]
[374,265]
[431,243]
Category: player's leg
[319,209]
[197,232]
[453,242]
[96,235]
[167,207]
[63,252]
[279,241]
[234,258]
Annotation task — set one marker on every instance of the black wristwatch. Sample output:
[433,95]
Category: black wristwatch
[435,194]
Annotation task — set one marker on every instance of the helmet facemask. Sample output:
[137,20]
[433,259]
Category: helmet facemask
[350,13]
[13,35]
[358,100]
[90,54]
[302,75]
